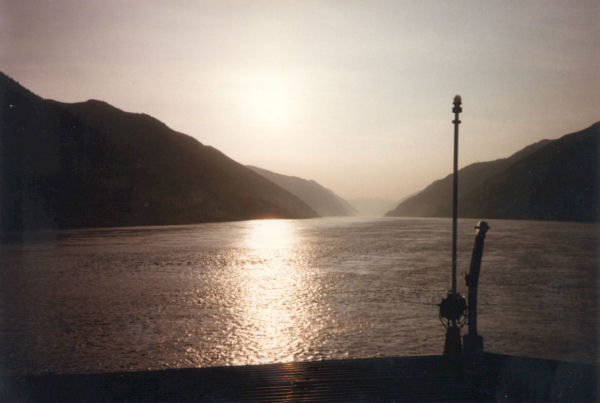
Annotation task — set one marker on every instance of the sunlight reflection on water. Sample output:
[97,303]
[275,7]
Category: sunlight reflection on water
[269,309]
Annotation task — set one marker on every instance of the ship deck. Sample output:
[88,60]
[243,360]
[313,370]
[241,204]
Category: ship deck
[426,378]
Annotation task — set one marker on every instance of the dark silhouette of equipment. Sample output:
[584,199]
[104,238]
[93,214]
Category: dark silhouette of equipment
[473,343]
[456,109]
[454,312]
[452,308]
[452,316]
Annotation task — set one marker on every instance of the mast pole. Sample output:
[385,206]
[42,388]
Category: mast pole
[457,109]
[453,307]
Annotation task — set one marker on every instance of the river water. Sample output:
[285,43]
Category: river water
[103,300]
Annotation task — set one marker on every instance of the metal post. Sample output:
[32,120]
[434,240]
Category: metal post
[472,278]
[457,109]
[452,308]
[473,343]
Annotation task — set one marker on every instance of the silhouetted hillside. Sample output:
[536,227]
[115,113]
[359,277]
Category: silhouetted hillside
[548,180]
[89,164]
[322,200]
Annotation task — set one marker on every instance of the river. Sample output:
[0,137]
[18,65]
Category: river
[265,291]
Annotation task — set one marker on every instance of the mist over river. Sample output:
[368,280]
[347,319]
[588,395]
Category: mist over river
[265,291]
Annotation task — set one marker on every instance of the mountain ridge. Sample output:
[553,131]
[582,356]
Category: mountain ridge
[90,164]
[516,187]
[321,199]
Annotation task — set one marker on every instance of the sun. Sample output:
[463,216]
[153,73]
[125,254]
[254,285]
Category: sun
[271,107]
[268,101]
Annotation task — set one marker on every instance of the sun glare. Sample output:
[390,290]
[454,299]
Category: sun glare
[268,101]
[266,236]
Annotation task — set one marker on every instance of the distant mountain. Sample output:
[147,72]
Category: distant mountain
[549,180]
[373,207]
[90,164]
[325,202]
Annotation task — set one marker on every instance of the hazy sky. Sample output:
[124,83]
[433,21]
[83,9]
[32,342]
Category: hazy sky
[353,94]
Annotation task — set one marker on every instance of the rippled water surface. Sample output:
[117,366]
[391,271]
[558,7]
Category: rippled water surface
[284,290]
